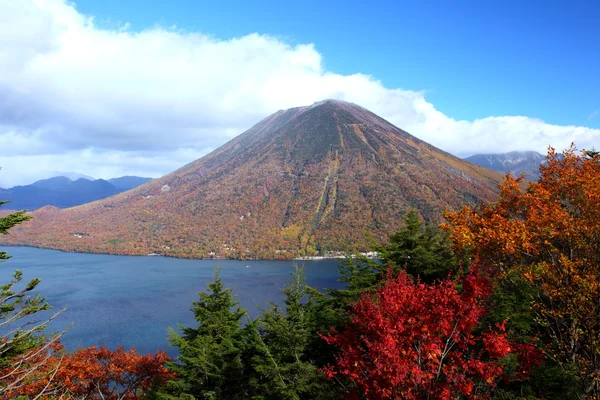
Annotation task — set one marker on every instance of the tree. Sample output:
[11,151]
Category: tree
[210,363]
[410,340]
[94,373]
[23,349]
[282,363]
[8,222]
[423,251]
[549,234]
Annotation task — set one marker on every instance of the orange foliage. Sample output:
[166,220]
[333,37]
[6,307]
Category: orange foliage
[94,373]
[551,234]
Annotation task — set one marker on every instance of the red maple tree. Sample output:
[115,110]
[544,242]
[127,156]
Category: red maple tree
[409,340]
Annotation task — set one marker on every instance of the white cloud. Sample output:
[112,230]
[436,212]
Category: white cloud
[76,97]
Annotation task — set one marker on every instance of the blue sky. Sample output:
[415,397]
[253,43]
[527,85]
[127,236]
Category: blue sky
[473,58]
[110,88]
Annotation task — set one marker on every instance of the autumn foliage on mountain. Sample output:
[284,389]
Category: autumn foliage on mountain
[303,181]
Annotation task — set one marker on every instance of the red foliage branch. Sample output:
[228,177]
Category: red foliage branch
[415,341]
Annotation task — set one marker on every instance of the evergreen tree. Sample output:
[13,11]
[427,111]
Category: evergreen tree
[210,364]
[8,222]
[282,363]
[422,250]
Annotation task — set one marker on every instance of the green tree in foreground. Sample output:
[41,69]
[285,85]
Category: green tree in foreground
[210,364]
[270,357]
[8,222]
[282,364]
[423,251]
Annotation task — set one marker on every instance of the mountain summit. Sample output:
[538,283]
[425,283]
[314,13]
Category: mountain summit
[302,181]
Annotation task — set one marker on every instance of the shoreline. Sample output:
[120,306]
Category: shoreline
[369,255]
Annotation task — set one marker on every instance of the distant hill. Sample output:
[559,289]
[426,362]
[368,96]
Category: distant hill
[63,192]
[517,162]
[302,181]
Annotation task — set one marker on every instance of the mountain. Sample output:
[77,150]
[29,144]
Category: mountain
[128,182]
[515,162]
[71,175]
[62,192]
[60,183]
[302,181]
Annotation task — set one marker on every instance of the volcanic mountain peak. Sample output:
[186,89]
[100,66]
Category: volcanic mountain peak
[333,102]
[309,133]
[302,181]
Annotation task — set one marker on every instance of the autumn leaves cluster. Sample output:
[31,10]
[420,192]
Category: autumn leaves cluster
[503,302]
[91,373]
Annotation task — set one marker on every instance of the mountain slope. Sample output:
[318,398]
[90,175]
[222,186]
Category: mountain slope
[303,180]
[62,192]
[515,162]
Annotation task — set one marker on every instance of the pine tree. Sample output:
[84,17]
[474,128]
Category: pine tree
[422,251]
[210,364]
[282,363]
[8,222]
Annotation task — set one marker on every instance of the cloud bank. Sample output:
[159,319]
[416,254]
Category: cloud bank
[110,102]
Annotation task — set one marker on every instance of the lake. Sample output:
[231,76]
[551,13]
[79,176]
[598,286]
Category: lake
[131,301]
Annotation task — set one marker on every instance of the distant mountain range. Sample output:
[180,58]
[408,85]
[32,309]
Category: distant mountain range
[304,181]
[517,162]
[63,192]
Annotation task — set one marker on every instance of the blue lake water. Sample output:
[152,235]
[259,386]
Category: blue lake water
[131,301]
